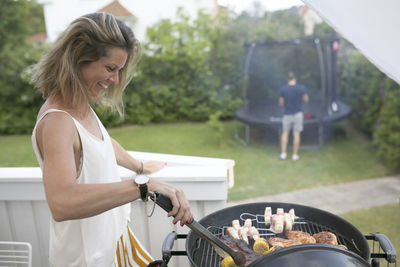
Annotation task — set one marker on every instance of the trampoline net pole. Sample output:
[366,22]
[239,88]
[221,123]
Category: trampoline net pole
[246,140]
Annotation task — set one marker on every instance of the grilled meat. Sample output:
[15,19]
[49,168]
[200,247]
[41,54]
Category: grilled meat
[326,238]
[247,224]
[288,219]
[240,245]
[292,215]
[236,225]
[278,242]
[280,211]
[243,234]
[288,223]
[267,215]
[232,232]
[254,234]
[277,223]
[302,237]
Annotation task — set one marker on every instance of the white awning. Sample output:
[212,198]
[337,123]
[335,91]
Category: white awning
[372,26]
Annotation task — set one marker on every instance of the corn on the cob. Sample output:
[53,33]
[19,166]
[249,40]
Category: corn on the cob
[228,262]
[261,247]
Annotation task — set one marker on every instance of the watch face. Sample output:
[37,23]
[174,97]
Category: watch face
[141,179]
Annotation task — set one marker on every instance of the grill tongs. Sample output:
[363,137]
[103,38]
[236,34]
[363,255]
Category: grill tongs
[237,256]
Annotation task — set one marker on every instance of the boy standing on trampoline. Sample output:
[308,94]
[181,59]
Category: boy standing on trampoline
[291,97]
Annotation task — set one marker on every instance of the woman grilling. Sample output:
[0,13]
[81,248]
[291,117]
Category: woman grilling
[91,63]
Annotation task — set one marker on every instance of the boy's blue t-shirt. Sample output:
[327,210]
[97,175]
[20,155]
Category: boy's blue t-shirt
[293,98]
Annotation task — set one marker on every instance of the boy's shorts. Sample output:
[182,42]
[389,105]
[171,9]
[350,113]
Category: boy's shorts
[294,121]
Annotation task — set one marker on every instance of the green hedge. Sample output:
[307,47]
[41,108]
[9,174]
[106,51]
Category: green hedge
[375,99]
[188,71]
[387,133]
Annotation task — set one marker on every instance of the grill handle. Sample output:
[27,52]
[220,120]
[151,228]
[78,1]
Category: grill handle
[386,245]
[167,246]
[168,243]
[165,203]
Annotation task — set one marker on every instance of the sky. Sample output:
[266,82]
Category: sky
[270,5]
[59,13]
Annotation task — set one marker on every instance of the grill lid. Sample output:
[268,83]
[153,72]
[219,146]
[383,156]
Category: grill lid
[311,255]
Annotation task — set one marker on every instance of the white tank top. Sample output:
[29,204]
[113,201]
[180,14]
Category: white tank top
[91,241]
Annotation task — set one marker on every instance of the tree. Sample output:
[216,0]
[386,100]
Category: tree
[387,134]
[185,71]
[19,20]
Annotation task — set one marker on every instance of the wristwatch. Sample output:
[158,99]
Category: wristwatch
[141,180]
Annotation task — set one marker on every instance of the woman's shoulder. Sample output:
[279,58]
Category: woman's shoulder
[54,118]
[54,109]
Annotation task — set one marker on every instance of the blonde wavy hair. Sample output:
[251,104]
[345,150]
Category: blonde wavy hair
[57,75]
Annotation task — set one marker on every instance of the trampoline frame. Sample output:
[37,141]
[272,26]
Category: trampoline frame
[320,124]
[326,87]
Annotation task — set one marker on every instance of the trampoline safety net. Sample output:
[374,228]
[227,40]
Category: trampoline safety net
[265,72]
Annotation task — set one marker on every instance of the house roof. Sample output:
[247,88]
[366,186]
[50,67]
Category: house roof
[37,38]
[116,9]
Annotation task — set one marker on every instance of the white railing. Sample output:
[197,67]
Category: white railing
[24,214]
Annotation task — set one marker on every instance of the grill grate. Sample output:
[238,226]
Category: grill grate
[209,257]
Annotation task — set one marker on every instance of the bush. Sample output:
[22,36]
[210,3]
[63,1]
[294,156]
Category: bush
[19,102]
[216,125]
[375,100]
[387,134]
[363,87]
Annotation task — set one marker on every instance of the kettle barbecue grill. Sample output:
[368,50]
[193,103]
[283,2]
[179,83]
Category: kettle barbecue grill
[311,220]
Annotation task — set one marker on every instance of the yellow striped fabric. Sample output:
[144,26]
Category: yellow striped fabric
[130,253]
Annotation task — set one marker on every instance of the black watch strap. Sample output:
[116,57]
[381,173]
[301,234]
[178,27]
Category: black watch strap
[143,191]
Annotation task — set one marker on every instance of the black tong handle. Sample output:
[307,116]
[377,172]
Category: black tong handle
[162,201]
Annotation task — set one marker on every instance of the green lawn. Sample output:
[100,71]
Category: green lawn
[16,151]
[258,170]
[385,220]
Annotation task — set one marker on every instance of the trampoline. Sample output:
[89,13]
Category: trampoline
[265,72]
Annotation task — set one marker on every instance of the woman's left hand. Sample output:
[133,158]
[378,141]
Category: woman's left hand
[153,166]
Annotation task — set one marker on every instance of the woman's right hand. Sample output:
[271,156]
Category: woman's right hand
[181,208]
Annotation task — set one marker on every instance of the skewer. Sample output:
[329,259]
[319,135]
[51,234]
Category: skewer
[220,230]
[268,234]
[250,216]
[256,217]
